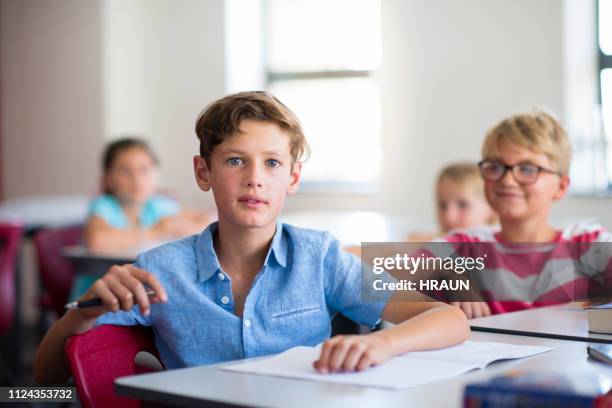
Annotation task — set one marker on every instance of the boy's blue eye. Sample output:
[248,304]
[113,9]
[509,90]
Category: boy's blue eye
[234,161]
[528,169]
[273,163]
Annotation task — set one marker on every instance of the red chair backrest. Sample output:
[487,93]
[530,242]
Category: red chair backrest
[10,242]
[56,272]
[102,354]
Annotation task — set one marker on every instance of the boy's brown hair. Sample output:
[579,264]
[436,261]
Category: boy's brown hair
[537,131]
[222,118]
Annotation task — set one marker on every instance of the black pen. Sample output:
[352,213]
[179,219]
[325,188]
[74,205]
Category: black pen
[95,302]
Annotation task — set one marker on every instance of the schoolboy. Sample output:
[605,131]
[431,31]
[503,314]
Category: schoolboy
[250,285]
[525,167]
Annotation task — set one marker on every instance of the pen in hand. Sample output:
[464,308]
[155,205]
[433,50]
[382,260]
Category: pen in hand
[96,302]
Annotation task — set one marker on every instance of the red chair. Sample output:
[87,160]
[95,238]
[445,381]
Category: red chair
[56,272]
[102,354]
[10,242]
[10,328]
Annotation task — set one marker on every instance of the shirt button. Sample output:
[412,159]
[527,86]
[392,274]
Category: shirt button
[221,276]
[225,300]
[247,323]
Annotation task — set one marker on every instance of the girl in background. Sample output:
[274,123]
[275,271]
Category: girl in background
[131,212]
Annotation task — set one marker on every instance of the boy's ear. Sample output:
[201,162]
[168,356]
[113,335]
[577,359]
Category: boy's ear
[564,183]
[201,172]
[294,181]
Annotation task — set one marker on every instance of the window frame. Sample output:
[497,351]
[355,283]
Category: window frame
[271,76]
[603,62]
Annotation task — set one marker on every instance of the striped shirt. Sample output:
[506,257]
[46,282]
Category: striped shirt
[574,266]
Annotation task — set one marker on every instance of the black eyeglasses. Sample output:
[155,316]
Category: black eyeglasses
[524,173]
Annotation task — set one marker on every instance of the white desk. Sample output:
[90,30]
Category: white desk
[88,261]
[567,322]
[82,253]
[46,211]
[208,386]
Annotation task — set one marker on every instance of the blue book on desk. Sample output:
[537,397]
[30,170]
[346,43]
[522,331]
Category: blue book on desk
[541,390]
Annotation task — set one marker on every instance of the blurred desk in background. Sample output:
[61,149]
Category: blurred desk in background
[354,227]
[89,265]
[37,212]
[566,322]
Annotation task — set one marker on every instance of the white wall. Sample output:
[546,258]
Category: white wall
[163,62]
[75,74]
[452,69]
[51,96]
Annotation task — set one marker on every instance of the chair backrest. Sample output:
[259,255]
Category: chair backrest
[10,242]
[56,272]
[102,354]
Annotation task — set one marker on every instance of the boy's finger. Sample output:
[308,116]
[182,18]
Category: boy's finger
[486,309]
[467,309]
[125,296]
[365,362]
[353,356]
[109,300]
[323,362]
[477,310]
[338,355]
[149,279]
[140,294]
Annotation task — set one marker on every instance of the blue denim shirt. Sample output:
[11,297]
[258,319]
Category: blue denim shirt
[305,280]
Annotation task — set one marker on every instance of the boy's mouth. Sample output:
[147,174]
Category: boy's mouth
[509,194]
[252,201]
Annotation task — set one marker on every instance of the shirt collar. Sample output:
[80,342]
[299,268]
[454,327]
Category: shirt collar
[278,248]
[208,263]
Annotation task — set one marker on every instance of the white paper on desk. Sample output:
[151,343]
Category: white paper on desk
[401,372]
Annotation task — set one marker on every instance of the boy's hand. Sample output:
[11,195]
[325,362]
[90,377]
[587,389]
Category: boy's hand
[353,353]
[122,287]
[473,309]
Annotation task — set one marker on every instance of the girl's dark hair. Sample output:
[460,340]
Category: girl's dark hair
[114,148]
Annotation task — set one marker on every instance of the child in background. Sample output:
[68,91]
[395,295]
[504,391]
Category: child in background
[525,168]
[460,201]
[130,212]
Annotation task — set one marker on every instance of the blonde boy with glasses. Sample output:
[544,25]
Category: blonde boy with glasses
[525,168]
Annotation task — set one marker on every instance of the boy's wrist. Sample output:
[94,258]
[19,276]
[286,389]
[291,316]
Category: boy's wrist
[79,322]
[390,341]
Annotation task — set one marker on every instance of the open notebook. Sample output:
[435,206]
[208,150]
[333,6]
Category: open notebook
[400,372]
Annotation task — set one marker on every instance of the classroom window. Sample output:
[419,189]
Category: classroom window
[324,66]
[590,127]
[605,75]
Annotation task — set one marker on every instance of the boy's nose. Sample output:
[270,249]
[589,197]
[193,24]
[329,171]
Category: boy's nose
[253,176]
[450,215]
[508,179]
